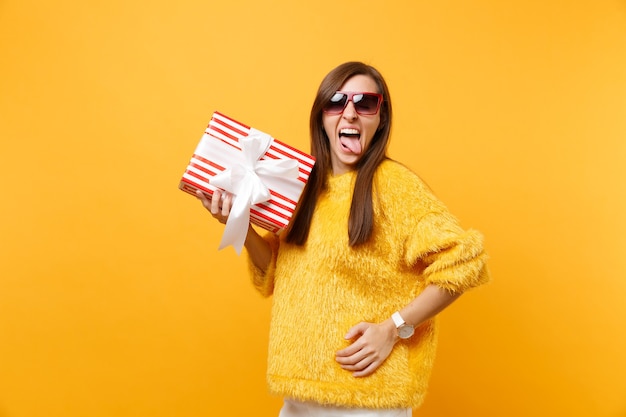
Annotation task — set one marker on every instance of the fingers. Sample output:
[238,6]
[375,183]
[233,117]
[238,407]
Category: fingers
[362,363]
[355,354]
[370,347]
[354,334]
[218,204]
[368,370]
[227,204]
[357,330]
[215,208]
[349,351]
[203,198]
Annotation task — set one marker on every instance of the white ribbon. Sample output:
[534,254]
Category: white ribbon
[244,179]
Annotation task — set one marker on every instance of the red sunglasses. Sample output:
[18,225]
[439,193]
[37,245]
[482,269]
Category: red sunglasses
[364,103]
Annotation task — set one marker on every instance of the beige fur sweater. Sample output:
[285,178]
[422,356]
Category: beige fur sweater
[324,288]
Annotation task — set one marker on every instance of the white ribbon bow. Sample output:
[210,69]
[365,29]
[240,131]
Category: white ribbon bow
[244,179]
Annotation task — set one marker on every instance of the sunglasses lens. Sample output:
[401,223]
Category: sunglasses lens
[336,103]
[365,103]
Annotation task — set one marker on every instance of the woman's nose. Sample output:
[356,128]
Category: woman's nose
[349,112]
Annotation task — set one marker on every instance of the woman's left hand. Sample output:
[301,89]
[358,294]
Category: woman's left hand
[371,345]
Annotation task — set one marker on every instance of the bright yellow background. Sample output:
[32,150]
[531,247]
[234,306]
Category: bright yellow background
[113,298]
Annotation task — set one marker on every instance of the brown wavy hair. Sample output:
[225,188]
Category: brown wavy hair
[361,220]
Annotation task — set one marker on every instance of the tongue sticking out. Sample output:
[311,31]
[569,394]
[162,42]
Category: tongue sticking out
[352,143]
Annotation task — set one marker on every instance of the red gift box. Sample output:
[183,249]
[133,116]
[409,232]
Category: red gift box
[219,148]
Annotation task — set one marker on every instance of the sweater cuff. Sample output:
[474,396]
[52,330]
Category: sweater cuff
[459,264]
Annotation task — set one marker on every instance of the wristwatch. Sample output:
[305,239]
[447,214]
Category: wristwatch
[404,330]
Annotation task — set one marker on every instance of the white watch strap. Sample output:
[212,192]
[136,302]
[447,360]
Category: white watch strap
[397,319]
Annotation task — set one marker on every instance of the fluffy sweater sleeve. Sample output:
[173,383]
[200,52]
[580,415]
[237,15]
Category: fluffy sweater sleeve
[452,258]
[435,245]
[263,281]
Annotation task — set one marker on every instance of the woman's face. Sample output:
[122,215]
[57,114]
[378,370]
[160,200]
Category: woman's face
[351,133]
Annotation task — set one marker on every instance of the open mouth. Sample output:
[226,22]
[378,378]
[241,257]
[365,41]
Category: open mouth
[350,140]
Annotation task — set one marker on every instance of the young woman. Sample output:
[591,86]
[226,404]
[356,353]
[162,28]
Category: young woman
[369,260]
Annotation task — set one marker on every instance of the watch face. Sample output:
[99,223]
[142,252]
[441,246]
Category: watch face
[406,331]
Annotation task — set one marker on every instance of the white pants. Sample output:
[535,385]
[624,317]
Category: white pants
[293,408]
